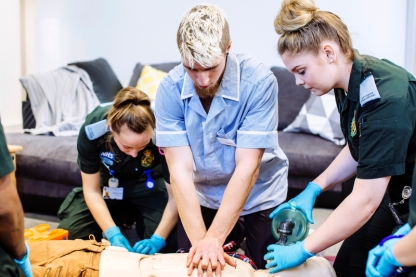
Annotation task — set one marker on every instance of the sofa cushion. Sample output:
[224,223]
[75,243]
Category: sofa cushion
[319,116]
[308,155]
[149,81]
[48,158]
[291,96]
[104,80]
[166,67]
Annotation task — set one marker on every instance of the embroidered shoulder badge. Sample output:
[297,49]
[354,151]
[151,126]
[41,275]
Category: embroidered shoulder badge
[353,127]
[368,90]
[148,158]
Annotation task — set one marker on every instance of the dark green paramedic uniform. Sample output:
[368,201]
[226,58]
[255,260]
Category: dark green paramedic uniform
[412,216]
[379,127]
[96,155]
[7,266]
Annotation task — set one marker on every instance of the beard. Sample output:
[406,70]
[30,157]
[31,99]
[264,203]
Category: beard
[208,92]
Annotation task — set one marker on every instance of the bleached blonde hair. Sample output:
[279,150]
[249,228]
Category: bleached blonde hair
[203,35]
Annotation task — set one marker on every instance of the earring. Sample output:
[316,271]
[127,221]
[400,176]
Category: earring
[331,61]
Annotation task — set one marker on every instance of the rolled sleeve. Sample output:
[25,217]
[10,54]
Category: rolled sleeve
[170,123]
[248,139]
[88,153]
[259,128]
[6,162]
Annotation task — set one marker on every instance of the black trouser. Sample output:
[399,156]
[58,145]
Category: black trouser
[352,256]
[256,227]
[8,267]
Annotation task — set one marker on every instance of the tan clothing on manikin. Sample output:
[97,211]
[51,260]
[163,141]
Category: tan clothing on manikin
[66,258]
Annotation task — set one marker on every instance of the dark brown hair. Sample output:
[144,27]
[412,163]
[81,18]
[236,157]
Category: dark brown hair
[131,107]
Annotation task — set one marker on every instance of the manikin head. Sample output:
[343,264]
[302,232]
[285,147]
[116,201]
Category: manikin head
[315,45]
[203,40]
[131,121]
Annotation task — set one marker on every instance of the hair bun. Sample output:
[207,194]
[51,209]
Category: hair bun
[293,15]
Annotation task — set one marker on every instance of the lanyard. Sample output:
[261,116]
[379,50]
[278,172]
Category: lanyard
[112,172]
[389,238]
[150,183]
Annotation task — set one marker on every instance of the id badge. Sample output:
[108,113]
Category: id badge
[113,193]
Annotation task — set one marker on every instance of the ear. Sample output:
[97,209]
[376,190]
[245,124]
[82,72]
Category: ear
[229,46]
[329,52]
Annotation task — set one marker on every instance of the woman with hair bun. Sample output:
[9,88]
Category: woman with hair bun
[376,100]
[122,169]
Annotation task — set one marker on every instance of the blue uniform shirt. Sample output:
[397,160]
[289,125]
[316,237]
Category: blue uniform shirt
[243,114]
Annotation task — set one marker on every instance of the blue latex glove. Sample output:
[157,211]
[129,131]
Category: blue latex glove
[149,246]
[24,263]
[304,201]
[381,261]
[116,238]
[283,257]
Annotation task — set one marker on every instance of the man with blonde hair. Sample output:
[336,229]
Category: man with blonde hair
[216,119]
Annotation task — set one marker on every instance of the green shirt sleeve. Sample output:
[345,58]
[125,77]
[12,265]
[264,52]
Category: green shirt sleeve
[385,133]
[6,162]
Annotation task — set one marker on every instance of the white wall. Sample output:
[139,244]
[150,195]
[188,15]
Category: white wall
[129,31]
[410,50]
[10,63]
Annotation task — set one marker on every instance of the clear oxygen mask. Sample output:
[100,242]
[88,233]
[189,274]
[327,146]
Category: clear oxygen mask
[289,226]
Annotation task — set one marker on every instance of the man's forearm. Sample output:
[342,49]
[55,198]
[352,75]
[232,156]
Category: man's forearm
[232,205]
[189,209]
[236,193]
[180,161]
[11,219]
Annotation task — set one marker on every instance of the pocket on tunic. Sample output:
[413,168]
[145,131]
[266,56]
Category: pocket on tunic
[377,139]
[228,147]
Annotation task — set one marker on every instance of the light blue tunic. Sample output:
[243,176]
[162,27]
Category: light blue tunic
[243,114]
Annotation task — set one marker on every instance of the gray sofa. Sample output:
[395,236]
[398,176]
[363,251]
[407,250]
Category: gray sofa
[47,167]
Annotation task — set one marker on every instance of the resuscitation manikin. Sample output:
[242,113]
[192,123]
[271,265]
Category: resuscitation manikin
[288,226]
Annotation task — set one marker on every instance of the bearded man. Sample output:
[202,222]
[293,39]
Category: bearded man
[216,119]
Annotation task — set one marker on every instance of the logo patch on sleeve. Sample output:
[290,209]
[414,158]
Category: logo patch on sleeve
[107,158]
[368,90]
[96,130]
